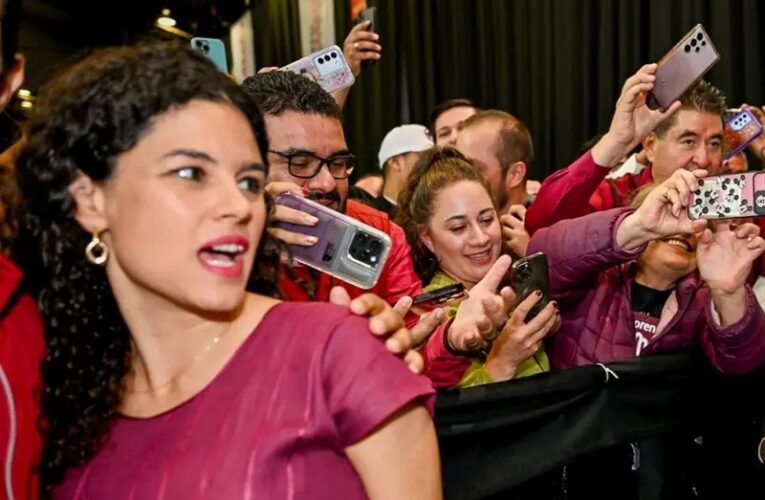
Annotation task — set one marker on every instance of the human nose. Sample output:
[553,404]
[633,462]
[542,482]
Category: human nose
[478,236]
[233,202]
[323,180]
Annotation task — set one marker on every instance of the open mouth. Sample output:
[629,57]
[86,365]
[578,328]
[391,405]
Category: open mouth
[680,243]
[480,258]
[224,256]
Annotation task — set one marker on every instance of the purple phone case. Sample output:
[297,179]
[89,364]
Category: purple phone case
[728,196]
[740,130]
[335,233]
[682,66]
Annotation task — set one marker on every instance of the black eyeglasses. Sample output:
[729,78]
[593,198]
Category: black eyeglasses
[305,165]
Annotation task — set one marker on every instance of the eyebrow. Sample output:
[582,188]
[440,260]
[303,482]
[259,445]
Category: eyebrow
[190,153]
[258,167]
[460,216]
[300,151]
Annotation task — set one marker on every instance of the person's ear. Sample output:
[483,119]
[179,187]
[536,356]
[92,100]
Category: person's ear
[11,81]
[426,239]
[649,146]
[515,175]
[89,204]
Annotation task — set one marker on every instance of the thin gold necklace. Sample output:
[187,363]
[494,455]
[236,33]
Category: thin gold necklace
[207,348]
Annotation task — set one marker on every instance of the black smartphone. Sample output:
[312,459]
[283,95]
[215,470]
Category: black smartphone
[528,275]
[369,14]
[440,296]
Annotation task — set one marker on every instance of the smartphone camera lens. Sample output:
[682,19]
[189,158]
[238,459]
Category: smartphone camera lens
[334,55]
[687,48]
[365,249]
[320,60]
[694,42]
[700,36]
[698,49]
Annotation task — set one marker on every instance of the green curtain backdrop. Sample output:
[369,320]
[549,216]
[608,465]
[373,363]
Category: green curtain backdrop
[556,64]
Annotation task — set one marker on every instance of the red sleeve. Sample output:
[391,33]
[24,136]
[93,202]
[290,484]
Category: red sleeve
[398,277]
[566,194]
[442,367]
[364,384]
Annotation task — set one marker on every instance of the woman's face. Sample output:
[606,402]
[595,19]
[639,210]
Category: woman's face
[184,211]
[464,232]
[670,258]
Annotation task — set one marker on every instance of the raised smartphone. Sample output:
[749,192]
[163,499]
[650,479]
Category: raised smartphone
[369,14]
[681,67]
[214,49]
[346,249]
[739,131]
[327,67]
[528,275]
[440,296]
[728,197]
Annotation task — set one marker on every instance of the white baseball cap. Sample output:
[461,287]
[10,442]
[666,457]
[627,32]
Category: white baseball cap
[404,139]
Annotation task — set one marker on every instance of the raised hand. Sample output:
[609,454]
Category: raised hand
[426,325]
[725,257]
[633,120]
[281,213]
[514,233]
[361,45]
[520,340]
[482,315]
[663,212]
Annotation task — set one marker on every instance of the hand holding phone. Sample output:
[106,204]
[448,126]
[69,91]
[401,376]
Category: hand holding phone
[345,247]
[682,67]
[728,196]
[528,275]
[365,15]
[327,67]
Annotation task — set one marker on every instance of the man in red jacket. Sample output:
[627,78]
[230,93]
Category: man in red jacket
[688,135]
[21,332]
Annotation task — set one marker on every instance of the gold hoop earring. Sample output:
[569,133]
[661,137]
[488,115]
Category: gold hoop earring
[97,252]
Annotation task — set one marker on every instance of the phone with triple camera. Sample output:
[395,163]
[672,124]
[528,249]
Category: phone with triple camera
[212,48]
[346,248]
[440,296]
[369,14]
[682,67]
[728,196]
[327,67]
[740,130]
[528,275]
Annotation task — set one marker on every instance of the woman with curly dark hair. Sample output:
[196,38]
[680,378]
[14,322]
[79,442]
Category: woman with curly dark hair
[143,179]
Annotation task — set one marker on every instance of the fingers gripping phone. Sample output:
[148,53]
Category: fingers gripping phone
[346,248]
[327,67]
[728,197]
[739,131]
[369,14]
[214,49]
[440,296]
[528,275]
[682,67]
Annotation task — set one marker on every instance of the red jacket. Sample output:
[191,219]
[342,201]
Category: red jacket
[591,278]
[22,348]
[397,279]
[580,189]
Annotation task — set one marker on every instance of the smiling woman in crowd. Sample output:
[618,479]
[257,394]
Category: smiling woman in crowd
[143,180]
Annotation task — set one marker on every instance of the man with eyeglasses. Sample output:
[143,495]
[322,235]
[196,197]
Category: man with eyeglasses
[308,153]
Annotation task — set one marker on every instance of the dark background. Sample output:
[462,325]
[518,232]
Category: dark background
[556,64]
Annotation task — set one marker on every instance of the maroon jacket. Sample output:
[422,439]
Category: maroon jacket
[591,279]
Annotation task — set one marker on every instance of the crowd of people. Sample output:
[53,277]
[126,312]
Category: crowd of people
[158,341]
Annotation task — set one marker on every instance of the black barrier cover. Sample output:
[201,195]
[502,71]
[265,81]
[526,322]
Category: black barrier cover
[495,437]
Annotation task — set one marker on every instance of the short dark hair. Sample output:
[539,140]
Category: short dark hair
[702,97]
[513,142]
[446,106]
[280,91]
[10,16]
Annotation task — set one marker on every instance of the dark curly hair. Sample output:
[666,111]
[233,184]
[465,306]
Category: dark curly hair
[84,119]
[436,169]
[280,91]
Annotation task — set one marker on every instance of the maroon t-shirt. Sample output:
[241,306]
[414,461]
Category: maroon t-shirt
[308,382]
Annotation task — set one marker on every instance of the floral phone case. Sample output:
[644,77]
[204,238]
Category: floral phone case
[327,67]
[728,197]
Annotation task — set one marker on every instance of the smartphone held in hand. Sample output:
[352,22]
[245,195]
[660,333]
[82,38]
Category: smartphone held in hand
[441,296]
[346,248]
[528,275]
[728,196]
[327,67]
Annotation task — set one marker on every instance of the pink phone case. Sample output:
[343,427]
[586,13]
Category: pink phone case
[327,67]
[740,130]
[682,66]
[729,197]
